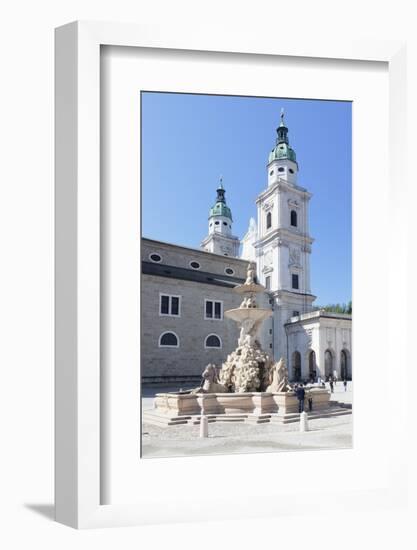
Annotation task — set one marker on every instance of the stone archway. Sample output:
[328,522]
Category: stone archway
[345,372]
[328,364]
[296,366]
[312,365]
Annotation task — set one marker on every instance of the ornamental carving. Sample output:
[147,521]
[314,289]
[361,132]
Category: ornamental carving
[267,206]
[280,242]
[295,256]
[226,248]
[268,258]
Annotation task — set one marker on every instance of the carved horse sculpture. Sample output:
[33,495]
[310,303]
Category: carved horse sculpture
[279,378]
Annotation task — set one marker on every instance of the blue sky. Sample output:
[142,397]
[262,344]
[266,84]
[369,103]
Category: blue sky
[188,141]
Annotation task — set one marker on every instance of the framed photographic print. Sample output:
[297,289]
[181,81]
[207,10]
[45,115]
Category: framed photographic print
[221,208]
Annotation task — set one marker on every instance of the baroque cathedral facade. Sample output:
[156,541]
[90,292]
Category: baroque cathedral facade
[185,291]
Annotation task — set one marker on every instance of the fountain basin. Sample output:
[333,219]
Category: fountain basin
[242,314]
[180,408]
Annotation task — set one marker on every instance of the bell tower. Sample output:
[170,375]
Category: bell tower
[283,246]
[220,239]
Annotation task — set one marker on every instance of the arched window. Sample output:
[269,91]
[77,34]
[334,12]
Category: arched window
[268,220]
[213,341]
[169,340]
[296,366]
[293,218]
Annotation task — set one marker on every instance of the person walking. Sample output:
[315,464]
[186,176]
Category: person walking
[345,383]
[310,401]
[331,385]
[300,393]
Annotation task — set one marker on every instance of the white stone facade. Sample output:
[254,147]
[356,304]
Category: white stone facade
[323,341]
[283,248]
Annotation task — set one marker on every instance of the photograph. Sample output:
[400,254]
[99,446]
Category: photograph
[246,274]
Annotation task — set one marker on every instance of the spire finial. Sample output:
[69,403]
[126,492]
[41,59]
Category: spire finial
[282,117]
[221,182]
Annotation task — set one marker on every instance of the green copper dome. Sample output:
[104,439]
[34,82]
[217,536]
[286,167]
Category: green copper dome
[282,149]
[220,208]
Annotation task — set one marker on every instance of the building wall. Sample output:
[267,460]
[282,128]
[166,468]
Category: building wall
[280,335]
[188,361]
[181,256]
[191,328]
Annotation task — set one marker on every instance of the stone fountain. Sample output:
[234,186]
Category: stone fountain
[249,386]
[248,368]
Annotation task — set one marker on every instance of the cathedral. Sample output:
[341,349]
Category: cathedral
[185,291]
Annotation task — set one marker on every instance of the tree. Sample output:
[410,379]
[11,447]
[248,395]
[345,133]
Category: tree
[338,308]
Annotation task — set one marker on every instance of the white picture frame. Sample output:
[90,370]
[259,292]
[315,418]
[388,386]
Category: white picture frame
[79,447]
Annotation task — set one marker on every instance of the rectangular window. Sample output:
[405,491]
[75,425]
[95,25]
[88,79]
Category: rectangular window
[295,313]
[217,310]
[213,310]
[268,283]
[175,305]
[295,281]
[209,309]
[165,305]
[169,305]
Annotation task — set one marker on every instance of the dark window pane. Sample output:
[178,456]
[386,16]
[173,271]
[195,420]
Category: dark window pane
[213,341]
[295,281]
[294,218]
[195,265]
[268,220]
[165,304]
[175,305]
[155,257]
[169,339]
[217,310]
[209,309]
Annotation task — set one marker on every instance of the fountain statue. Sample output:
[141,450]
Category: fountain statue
[248,368]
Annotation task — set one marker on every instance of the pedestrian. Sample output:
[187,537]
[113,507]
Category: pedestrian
[331,385]
[300,393]
[345,383]
[310,401]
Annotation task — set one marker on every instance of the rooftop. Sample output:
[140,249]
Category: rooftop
[318,313]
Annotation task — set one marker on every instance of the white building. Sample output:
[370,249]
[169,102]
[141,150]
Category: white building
[315,344]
